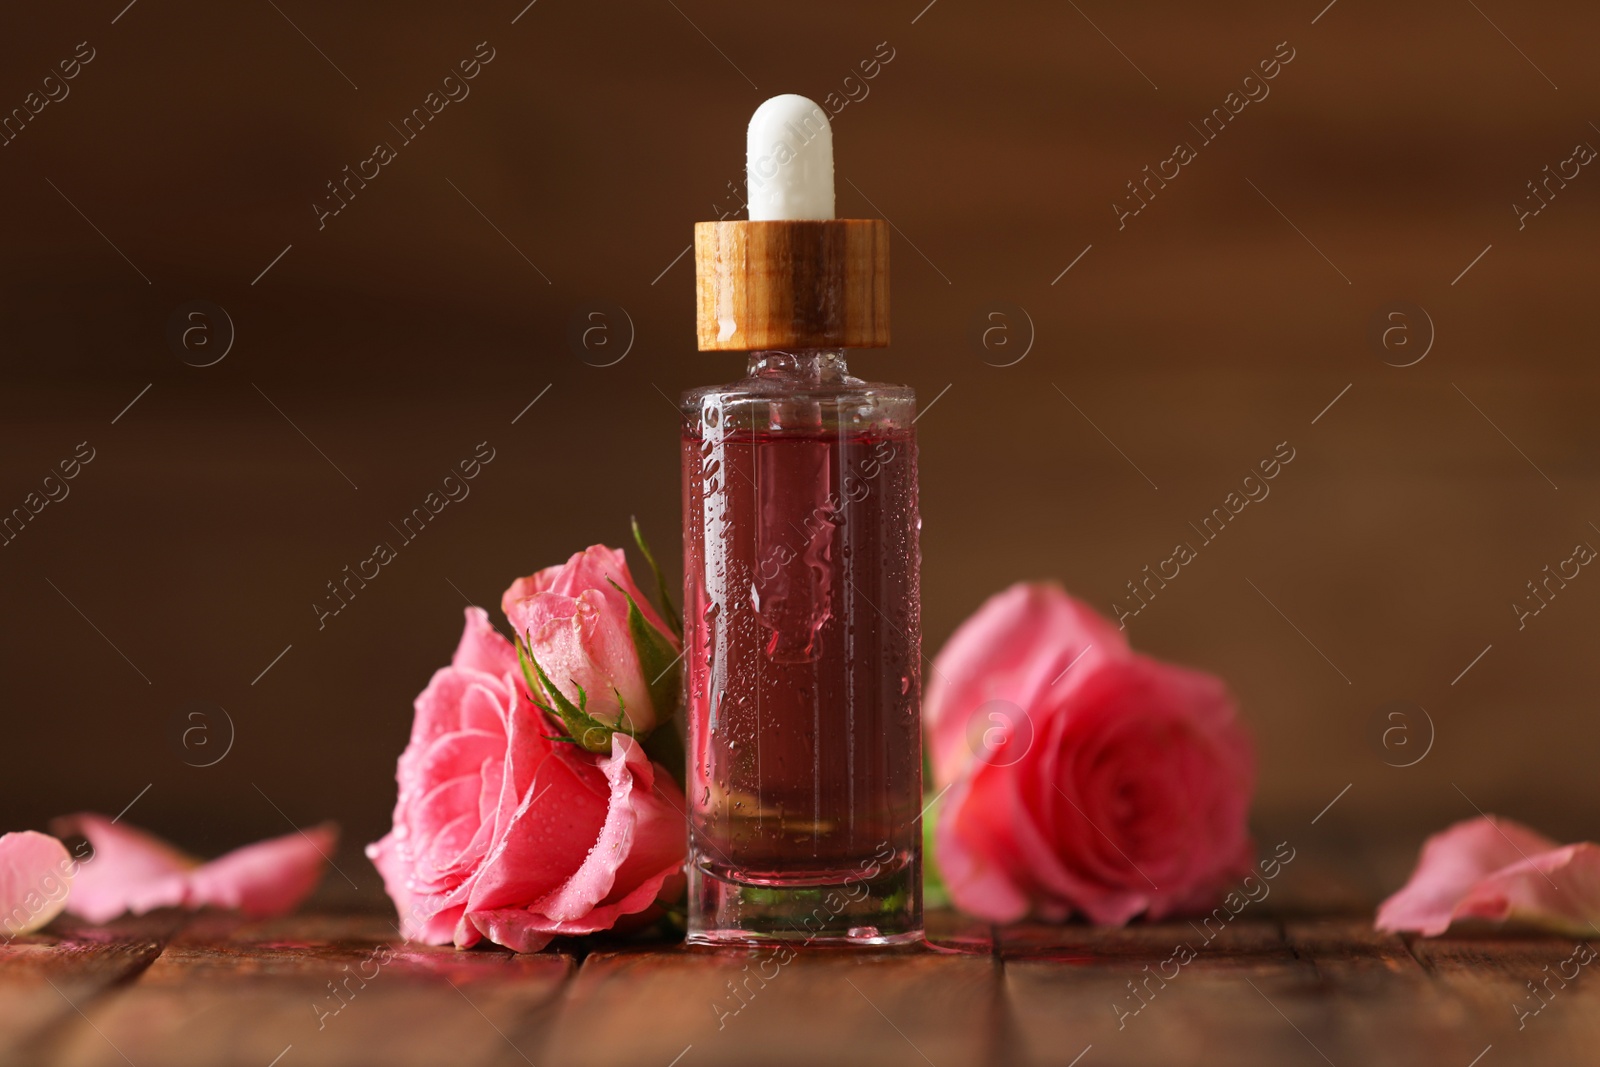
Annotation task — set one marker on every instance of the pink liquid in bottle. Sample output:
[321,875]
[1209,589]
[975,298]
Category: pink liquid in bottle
[803,655]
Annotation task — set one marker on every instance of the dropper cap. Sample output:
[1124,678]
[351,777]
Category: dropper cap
[791,276]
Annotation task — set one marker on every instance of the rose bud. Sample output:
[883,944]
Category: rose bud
[1081,776]
[599,657]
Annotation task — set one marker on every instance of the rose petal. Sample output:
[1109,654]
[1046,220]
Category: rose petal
[1495,868]
[1020,641]
[35,879]
[544,839]
[1557,891]
[456,700]
[642,838]
[593,568]
[130,870]
[634,816]
[134,871]
[978,882]
[267,878]
[521,930]
[482,649]
[388,857]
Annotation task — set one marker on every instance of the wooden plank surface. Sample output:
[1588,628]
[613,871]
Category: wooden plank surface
[780,1006]
[1153,993]
[317,990]
[1499,977]
[1382,1007]
[46,979]
[343,988]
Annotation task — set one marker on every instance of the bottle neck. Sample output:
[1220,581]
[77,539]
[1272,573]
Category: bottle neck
[806,366]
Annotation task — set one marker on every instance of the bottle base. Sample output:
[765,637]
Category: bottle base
[873,908]
[863,937]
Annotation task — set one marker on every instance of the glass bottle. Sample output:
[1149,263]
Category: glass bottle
[803,654]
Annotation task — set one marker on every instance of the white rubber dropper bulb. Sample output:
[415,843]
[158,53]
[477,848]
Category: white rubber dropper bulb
[789,161]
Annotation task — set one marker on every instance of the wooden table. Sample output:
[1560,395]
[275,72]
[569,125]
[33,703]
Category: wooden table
[323,988]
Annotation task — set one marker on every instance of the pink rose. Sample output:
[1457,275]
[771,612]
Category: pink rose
[576,624]
[1081,776]
[500,832]
[1496,869]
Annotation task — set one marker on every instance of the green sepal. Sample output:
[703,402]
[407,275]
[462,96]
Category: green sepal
[583,729]
[668,608]
[622,709]
[660,662]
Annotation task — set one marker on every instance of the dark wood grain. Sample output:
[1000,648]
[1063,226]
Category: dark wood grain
[1495,975]
[48,979]
[1265,990]
[1125,996]
[329,990]
[735,1007]
[1382,1007]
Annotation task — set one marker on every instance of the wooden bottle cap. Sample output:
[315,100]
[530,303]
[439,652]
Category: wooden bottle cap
[821,283]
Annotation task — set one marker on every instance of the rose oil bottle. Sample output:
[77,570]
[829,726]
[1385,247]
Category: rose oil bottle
[801,603]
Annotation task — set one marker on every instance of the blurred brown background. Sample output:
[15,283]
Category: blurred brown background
[374,353]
